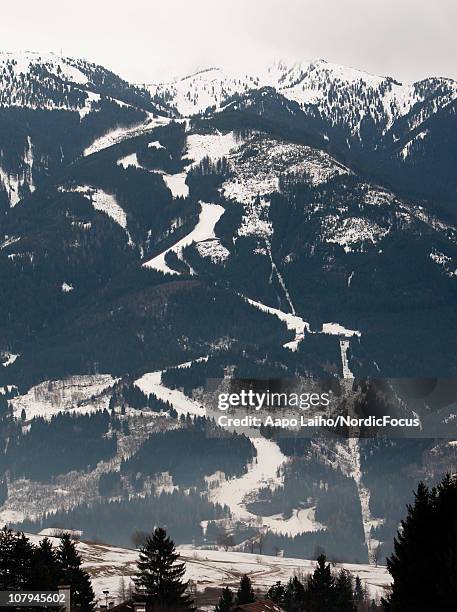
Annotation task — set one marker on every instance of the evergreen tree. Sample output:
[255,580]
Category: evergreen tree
[359,591]
[321,588]
[446,561]
[72,574]
[245,593]
[412,564]
[45,567]
[276,593]
[7,551]
[160,577]
[22,562]
[424,563]
[294,596]
[225,601]
[344,596]
[15,560]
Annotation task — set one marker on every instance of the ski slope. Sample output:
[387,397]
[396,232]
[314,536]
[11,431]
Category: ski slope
[204,230]
[152,383]
[293,322]
[261,473]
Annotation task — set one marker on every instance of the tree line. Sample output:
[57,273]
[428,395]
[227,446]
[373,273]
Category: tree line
[25,566]
[423,568]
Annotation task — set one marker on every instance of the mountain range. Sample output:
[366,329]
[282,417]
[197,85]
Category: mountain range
[298,222]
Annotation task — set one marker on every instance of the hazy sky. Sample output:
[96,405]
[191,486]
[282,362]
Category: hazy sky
[150,41]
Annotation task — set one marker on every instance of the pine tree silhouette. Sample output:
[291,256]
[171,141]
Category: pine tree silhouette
[424,563]
[22,562]
[446,509]
[321,588]
[7,558]
[294,596]
[225,601]
[160,576]
[359,591]
[72,574]
[344,596]
[245,593]
[45,567]
[276,593]
[411,563]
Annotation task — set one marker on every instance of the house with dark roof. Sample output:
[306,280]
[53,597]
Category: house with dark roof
[261,605]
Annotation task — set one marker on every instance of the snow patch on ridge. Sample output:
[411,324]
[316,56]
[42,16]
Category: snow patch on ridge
[213,250]
[406,151]
[129,160]
[123,133]
[11,183]
[214,146]
[8,359]
[79,394]
[176,183]
[352,231]
[445,262]
[259,161]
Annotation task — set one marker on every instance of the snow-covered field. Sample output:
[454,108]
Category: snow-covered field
[210,568]
[129,160]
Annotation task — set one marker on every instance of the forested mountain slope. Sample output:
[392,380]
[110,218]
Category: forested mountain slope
[295,223]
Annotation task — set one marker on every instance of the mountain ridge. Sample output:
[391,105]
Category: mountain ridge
[312,75]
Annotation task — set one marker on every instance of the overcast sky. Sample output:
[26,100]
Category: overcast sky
[151,41]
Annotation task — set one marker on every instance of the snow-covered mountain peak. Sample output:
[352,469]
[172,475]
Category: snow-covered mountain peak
[48,81]
[22,63]
[308,81]
[343,98]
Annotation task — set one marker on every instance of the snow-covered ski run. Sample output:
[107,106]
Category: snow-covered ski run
[204,230]
[263,471]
